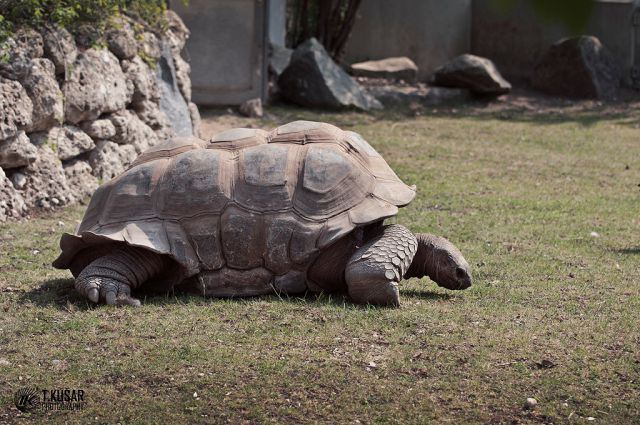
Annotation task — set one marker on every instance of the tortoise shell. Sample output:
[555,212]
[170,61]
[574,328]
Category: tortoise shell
[246,199]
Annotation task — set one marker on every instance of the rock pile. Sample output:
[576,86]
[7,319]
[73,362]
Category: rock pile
[73,115]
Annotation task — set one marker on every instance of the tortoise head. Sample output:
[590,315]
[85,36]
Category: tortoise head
[439,259]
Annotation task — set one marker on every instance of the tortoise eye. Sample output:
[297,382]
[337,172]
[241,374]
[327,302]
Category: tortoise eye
[461,273]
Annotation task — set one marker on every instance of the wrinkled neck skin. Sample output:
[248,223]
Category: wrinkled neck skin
[425,262]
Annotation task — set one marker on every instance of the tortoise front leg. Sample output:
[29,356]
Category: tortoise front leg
[376,268]
[111,277]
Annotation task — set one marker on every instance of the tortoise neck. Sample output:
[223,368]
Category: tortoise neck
[424,261]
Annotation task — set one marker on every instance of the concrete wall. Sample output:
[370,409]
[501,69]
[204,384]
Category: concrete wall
[430,32]
[277,21]
[516,39]
[226,49]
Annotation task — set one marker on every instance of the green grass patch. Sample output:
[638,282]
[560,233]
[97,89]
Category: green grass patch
[554,312]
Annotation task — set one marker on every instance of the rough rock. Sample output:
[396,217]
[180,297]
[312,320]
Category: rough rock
[18,179]
[46,185]
[99,129]
[312,79]
[391,95]
[121,39]
[183,70]
[130,130]
[398,68]
[195,118]
[149,113]
[79,178]
[59,47]
[12,204]
[145,86]
[472,72]
[149,46]
[16,109]
[279,59]
[24,45]
[178,32]
[172,103]
[579,67]
[251,108]
[109,159]
[17,151]
[67,141]
[41,86]
[96,85]
[88,36]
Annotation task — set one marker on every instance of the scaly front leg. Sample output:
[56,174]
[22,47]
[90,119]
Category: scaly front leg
[376,268]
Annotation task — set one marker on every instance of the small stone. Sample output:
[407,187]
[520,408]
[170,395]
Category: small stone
[591,418]
[4,362]
[594,234]
[61,223]
[252,108]
[195,394]
[35,252]
[18,180]
[373,365]
[530,403]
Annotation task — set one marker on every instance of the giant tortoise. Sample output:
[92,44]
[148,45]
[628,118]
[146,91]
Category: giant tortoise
[300,208]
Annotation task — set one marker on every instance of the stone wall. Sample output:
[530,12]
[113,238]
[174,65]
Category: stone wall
[73,115]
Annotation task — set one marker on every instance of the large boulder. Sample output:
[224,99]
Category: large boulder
[314,80]
[12,204]
[130,130]
[80,179]
[16,52]
[17,151]
[121,39]
[172,102]
[67,141]
[472,72]
[41,86]
[59,47]
[109,159]
[397,68]
[145,85]
[16,109]
[579,67]
[46,184]
[96,85]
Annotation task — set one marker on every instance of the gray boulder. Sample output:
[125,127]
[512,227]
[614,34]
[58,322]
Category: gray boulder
[121,39]
[16,109]
[99,129]
[172,103]
[46,184]
[17,151]
[472,72]
[109,159]
[579,67]
[12,204]
[96,85]
[59,47]
[17,52]
[41,86]
[130,130]
[397,68]
[67,141]
[149,46]
[313,79]
[251,108]
[80,179]
[145,85]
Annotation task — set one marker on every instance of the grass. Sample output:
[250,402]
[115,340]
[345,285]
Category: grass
[554,313]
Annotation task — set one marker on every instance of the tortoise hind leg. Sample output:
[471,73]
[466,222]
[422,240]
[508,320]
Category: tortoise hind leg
[374,270]
[110,278]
